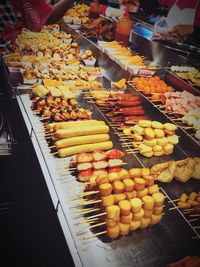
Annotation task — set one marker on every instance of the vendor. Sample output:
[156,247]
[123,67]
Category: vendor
[30,14]
[182,20]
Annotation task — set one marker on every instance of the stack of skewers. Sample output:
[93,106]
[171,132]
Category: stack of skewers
[127,200]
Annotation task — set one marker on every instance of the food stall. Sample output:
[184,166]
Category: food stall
[137,140]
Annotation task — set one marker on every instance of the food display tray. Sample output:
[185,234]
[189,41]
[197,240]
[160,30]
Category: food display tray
[173,238]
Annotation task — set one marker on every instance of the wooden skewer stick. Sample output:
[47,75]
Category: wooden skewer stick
[86,221]
[173,208]
[86,212]
[97,234]
[174,200]
[195,237]
[88,193]
[50,147]
[193,220]
[96,225]
[54,153]
[194,215]
[197,227]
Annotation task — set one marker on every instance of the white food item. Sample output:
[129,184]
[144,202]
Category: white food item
[197,135]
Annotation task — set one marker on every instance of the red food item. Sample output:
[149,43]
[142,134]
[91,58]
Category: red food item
[85,175]
[84,157]
[134,118]
[114,154]
[114,169]
[129,103]
[132,111]
[99,155]
[128,97]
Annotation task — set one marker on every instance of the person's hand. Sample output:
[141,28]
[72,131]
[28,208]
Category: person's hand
[182,30]
[132,5]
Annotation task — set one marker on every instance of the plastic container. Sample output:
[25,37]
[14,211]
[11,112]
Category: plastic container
[114,12]
[94,10]
[123,29]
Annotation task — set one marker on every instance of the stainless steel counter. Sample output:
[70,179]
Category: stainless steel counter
[156,246]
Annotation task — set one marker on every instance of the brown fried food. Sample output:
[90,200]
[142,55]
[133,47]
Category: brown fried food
[164,172]
[184,169]
[196,173]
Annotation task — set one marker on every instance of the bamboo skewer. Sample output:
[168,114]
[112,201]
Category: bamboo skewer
[193,220]
[86,212]
[86,221]
[82,211]
[96,225]
[97,234]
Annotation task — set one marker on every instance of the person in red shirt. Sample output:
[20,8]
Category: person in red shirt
[30,14]
[182,20]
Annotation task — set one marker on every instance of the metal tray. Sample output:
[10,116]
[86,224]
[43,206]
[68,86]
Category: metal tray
[166,242]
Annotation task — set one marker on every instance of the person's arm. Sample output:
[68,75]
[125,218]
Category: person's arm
[58,11]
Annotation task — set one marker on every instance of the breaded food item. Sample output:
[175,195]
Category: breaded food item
[142,193]
[108,200]
[162,141]
[146,171]
[158,199]
[136,204]
[156,218]
[137,137]
[138,215]
[164,172]
[196,173]
[119,197]
[125,207]
[152,142]
[168,149]
[145,149]
[113,232]
[170,127]
[113,212]
[144,123]
[124,228]
[184,169]
[145,222]
[159,133]
[118,187]
[128,185]
[134,225]
[157,125]
[126,219]
[157,148]
[139,184]
[147,154]
[148,202]
[158,210]
[158,153]
[123,174]
[138,130]
[105,189]
[135,172]
[173,139]
[149,133]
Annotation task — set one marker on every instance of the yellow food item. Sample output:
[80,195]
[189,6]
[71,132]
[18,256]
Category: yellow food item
[136,204]
[137,216]
[113,232]
[105,189]
[149,133]
[125,207]
[108,200]
[134,225]
[148,202]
